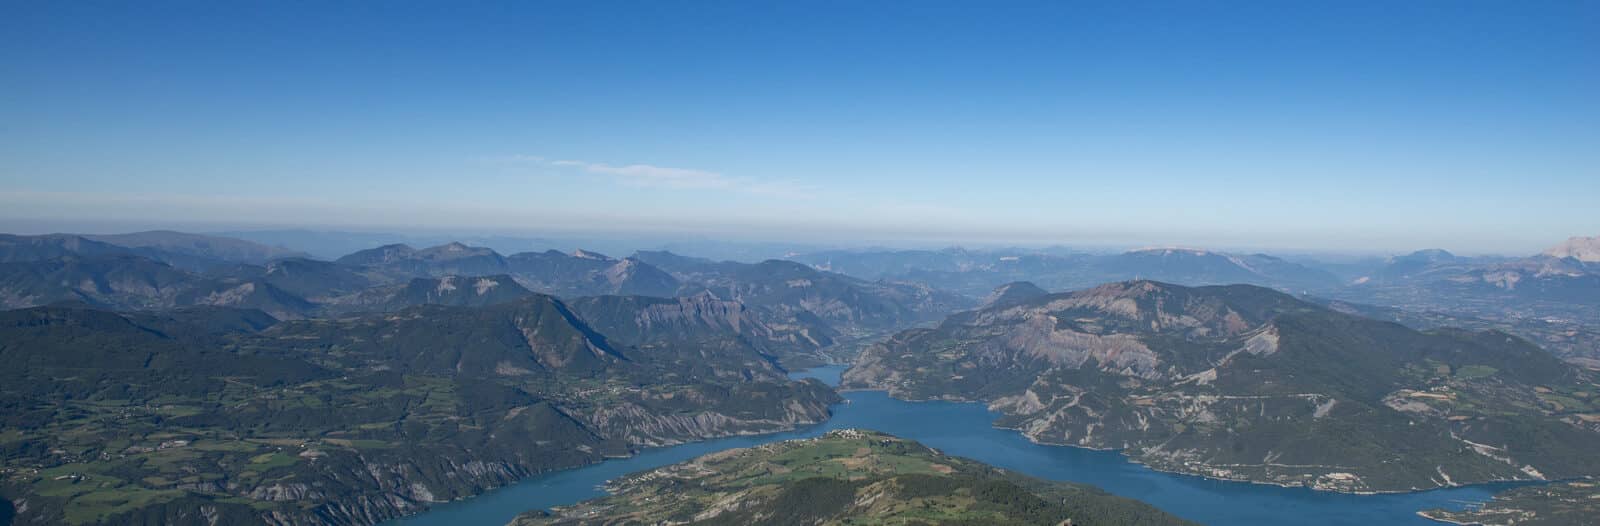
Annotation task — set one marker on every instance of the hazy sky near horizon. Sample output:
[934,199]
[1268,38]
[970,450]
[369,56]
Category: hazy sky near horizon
[1469,125]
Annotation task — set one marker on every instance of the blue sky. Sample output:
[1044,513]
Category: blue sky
[1349,125]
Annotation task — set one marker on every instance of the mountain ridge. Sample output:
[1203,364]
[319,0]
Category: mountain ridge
[1212,380]
[1585,249]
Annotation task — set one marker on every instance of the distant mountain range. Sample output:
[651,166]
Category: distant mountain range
[848,297]
[333,244]
[1542,297]
[974,272]
[1574,342]
[186,251]
[805,309]
[1242,382]
[1541,290]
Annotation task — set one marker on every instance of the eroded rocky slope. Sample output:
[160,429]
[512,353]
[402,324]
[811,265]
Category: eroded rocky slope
[1241,382]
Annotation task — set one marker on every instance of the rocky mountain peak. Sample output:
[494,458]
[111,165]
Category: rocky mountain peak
[1429,255]
[585,254]
[1013,293]
[1585,249]
[631,276]
[1156,307]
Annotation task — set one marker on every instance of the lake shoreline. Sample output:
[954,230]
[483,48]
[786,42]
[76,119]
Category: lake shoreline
[966,429]
[962,400]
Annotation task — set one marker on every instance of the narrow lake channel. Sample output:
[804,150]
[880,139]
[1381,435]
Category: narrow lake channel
[964,429]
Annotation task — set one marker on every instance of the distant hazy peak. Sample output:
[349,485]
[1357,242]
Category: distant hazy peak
[1430,254]
[215,246]
[452,252]
[1585,249]
[585,254]
[659,257]
[455,247]
[1136,288]
[785,264]
[383,254]
[1013,293]
[1168,251]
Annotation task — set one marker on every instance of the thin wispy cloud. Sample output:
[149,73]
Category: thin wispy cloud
[655,175]
[652,176]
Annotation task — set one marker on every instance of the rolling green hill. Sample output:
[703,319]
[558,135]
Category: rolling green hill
[846,477]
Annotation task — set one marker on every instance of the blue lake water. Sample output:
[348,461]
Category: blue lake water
[964,429]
